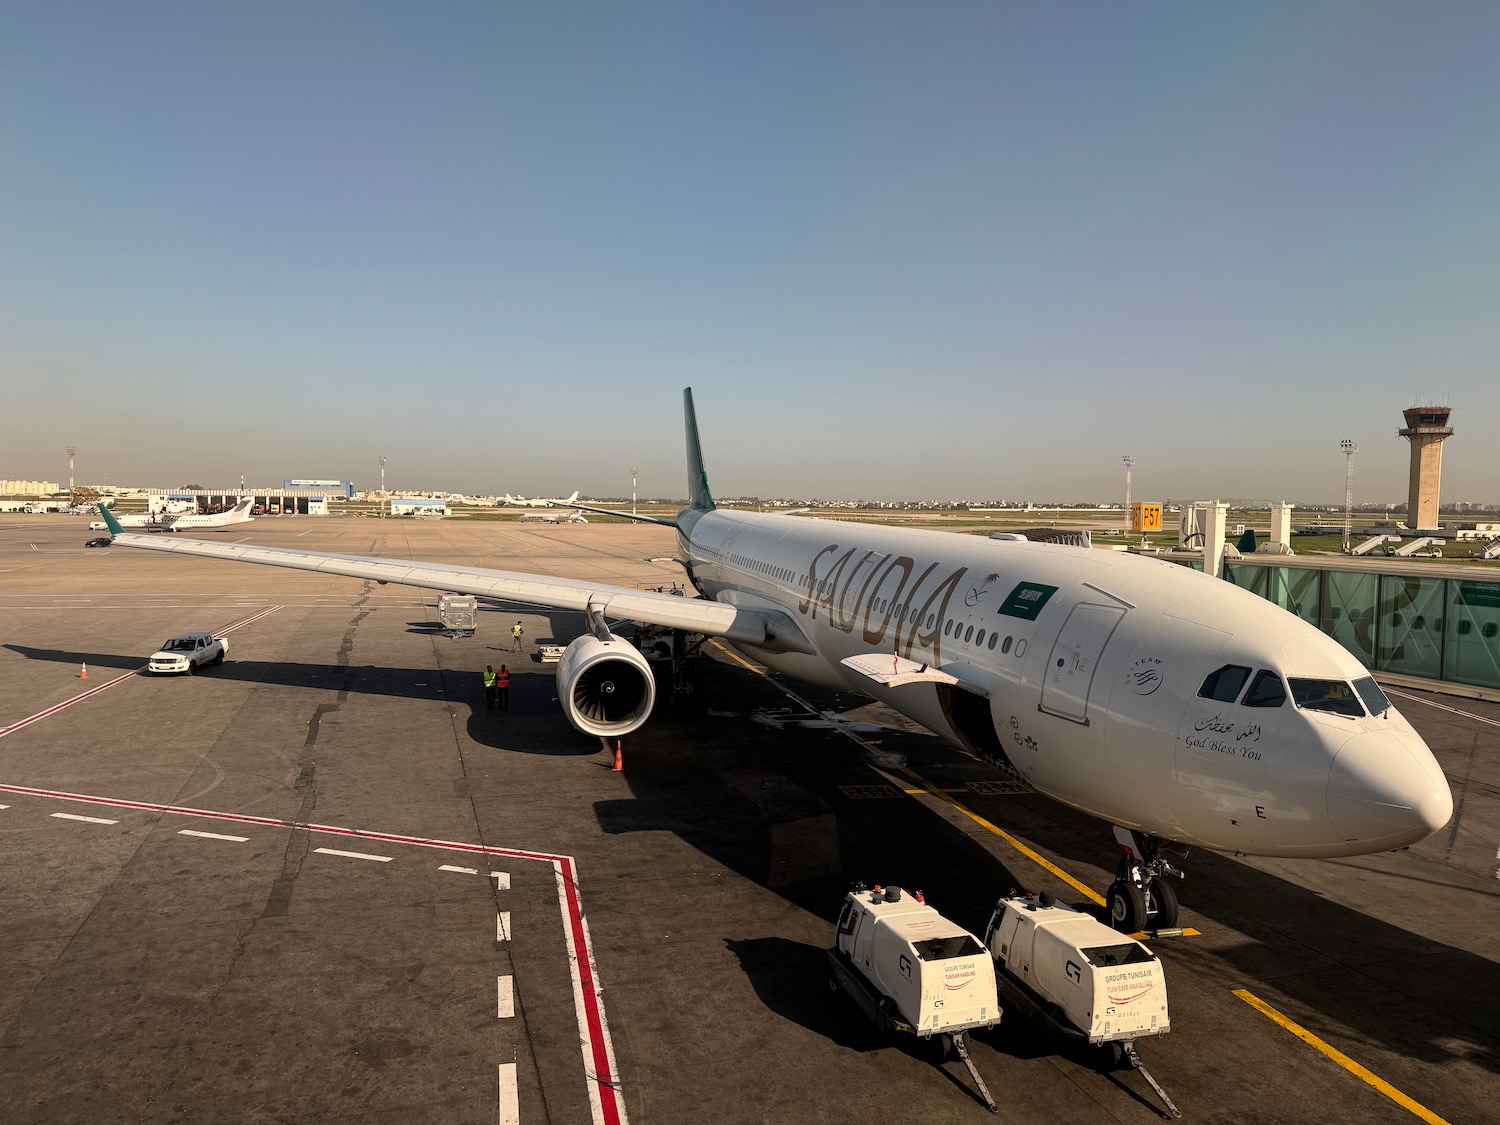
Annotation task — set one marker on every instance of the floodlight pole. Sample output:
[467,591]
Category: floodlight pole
[72,452]
[382,488]
[1349,450]
[1129,465]
[633,473]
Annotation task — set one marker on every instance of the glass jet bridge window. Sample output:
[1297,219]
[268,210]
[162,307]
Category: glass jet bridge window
[1326,695]
[1223,684]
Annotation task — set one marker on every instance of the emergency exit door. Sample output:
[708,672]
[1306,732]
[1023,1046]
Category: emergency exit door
[1075,657]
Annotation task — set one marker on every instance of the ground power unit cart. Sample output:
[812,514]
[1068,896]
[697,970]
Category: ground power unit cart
[913,972]
[1081,979]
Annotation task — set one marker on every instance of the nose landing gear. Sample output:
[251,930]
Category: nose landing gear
[1141,898]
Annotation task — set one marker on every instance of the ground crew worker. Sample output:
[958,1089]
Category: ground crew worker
[515,634]
[503,687]
[490,696]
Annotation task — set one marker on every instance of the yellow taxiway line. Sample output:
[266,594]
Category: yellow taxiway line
[1342,1059]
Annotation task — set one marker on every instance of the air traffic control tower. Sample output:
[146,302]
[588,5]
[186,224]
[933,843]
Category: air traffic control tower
[1426,428]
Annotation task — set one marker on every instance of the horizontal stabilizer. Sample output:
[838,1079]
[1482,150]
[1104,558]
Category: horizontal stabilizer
[890,670]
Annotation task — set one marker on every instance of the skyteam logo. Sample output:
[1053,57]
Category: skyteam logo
[1145,675]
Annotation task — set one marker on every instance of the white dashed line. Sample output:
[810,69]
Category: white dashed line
[83,819]
[505,994]
[214,836]
[502,924]
[4,806]
[355,855]
[460,870]
[502,880]
[510,1104]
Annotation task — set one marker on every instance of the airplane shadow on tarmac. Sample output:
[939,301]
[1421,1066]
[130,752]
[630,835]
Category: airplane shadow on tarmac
[767,805]
[363,679]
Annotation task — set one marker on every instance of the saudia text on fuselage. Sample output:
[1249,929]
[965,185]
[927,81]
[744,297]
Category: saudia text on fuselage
[832,581]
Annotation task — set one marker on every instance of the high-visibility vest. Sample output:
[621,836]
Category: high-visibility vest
[489,679]
[516,631]
[504,678]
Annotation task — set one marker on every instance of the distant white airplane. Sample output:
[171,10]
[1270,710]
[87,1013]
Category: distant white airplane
[240,513]
[1171,704]
[573,516]
[509,501]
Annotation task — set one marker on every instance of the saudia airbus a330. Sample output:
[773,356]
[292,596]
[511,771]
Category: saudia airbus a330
[1172,705]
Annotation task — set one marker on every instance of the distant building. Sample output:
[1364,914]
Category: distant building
[326,487]
[28,487]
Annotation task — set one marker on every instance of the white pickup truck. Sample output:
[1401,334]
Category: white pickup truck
[187,652]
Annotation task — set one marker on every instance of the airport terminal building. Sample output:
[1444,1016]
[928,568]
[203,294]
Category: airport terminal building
[291,498]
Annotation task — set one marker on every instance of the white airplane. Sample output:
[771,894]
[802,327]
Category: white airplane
[510,501]
[572,516]
[1175,706]
[173,521]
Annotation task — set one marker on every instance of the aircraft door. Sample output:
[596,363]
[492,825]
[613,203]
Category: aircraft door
[1075,658]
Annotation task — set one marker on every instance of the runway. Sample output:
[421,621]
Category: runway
[322,882]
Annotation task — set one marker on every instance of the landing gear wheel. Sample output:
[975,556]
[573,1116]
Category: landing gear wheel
[1127,907]
[1161,903]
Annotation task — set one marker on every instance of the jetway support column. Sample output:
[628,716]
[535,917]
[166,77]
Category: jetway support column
[1212,518]
[1281,528]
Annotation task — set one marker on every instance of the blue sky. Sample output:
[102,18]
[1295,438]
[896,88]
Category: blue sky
[899,250]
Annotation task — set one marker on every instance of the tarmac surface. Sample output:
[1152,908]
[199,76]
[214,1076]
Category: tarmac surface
[255,894]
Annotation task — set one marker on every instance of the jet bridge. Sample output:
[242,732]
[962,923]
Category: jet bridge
[1374,541]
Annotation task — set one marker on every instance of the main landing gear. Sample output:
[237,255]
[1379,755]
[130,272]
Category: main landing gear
[1140,898]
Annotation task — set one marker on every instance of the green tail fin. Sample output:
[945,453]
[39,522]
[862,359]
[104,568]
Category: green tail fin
[698,494]
[109,521]
[1246,544]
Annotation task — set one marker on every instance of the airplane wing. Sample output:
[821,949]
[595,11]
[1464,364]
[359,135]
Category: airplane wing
[624,515]
[752,625]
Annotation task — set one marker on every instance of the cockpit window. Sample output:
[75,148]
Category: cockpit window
[1326,695]
[1265,691]
[1225,683]
[1369,691]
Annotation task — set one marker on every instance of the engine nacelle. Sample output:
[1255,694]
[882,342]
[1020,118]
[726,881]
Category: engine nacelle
[606,687]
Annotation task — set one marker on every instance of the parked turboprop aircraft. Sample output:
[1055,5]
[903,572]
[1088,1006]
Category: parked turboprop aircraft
[172,521]
[509,501]
[1171,704]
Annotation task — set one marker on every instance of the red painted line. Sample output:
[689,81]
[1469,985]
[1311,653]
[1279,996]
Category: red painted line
[598,1036]
[602,1078]
[56,707]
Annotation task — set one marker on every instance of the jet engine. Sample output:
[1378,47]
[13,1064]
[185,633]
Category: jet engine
[606,686]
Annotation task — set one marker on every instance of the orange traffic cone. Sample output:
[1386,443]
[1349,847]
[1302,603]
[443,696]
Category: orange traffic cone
[84,673]
[619,765]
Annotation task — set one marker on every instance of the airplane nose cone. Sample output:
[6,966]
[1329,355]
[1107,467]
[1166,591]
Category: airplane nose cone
[1385,790]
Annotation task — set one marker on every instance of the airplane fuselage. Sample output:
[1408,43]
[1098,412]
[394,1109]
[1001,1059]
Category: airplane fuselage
[1082,673]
